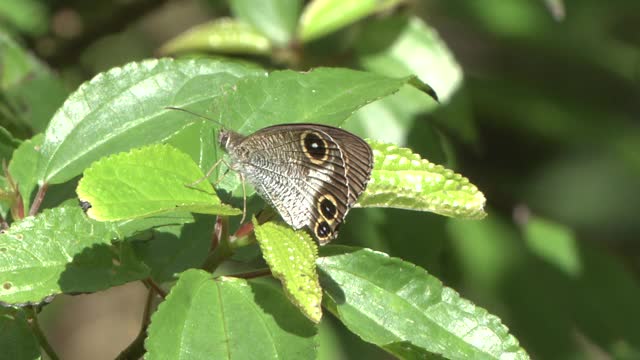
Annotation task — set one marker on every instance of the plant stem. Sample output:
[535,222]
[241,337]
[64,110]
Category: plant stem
[252,274]
[42,190]
[37,331]
[222,252]
[152,285]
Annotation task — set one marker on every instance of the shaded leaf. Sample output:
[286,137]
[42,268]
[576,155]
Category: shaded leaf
[147,181]
[16,339]
[31,91]
[204,318]
[291,256]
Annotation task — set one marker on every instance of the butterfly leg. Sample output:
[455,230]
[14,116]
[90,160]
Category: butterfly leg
[209,172]
[244,198]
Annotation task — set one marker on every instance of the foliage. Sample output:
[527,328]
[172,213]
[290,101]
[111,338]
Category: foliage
[108,186]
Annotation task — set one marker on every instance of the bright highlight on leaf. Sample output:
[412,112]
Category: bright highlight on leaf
[147,181]
[401,179]
[405,310]
[291,256]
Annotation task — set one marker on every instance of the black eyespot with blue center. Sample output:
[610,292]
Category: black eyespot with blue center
[323,230]
[328,209]
[315,146]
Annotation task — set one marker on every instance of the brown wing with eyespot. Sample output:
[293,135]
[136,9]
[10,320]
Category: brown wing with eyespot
[312,174]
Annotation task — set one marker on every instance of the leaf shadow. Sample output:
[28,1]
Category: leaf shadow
[100,267]
[288,317]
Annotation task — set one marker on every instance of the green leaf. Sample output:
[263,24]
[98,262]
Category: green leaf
[61,251]
[147,181]
[399,46]
[16,338]
[24,167]
[176,248]
[30,16]
[203,318]
[7,144]
[394,116]
[124,108]
[257,102]
[322,17]
[405,310]
[554,243]
[276,19]
[31,91]
[291,256]
[226,36]
[401,179]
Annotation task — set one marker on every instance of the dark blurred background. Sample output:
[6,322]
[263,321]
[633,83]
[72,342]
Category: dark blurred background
[545,123]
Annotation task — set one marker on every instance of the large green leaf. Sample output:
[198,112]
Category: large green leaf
[147,181]
[276,19]
[323,95]
[205,318]
[61,251]
[408,312]
[291,256]
[401,179]
[124,108]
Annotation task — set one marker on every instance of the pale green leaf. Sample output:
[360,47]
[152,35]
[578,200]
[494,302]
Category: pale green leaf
[30,16]
[276,19]
[291,256]
[406,311]
[401,179]
[399,46]
[61,251]
[220,36]
[206,318]
[322,17]
[555,244]
[147,181]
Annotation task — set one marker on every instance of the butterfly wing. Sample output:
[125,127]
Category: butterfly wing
[311,174]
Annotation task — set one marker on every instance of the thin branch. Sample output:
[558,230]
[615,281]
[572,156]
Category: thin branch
[153,285]
[39,334]
[42,190]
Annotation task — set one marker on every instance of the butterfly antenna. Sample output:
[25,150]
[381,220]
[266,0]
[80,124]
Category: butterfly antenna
[195,114]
